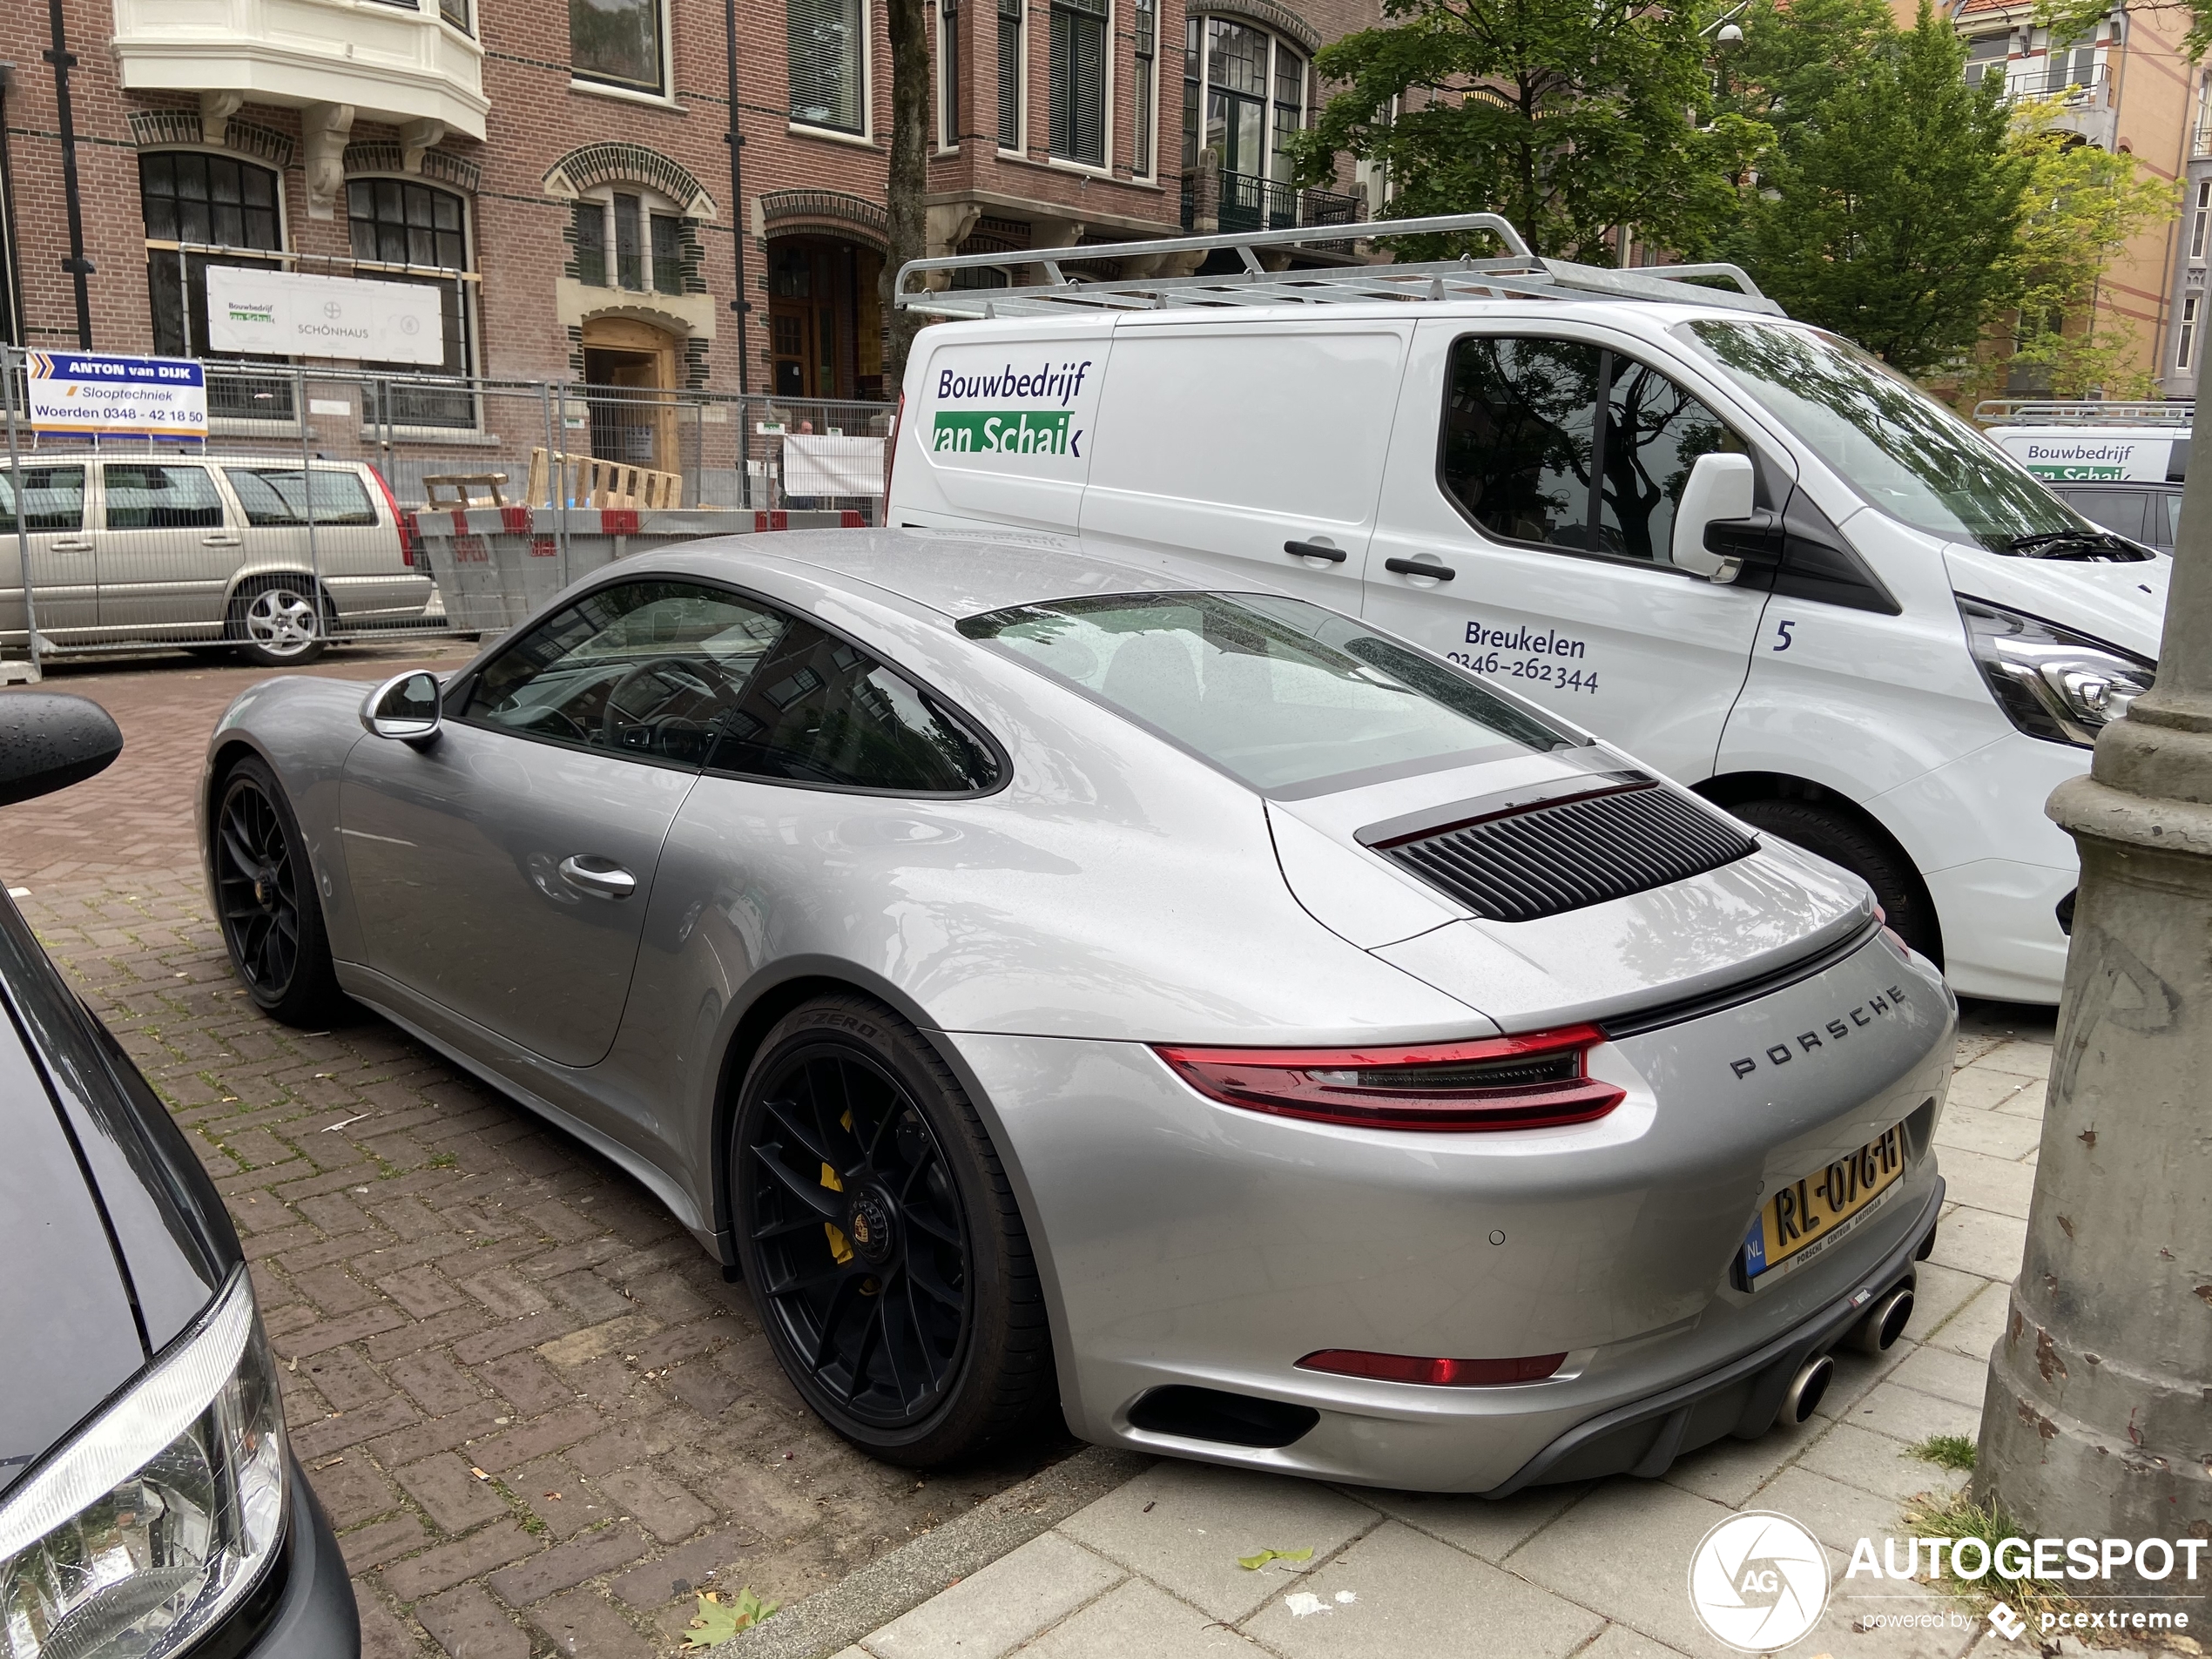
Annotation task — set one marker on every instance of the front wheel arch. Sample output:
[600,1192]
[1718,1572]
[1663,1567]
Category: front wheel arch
[1734,789]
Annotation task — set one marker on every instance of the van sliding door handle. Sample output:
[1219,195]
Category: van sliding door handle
[1420,567]
[1315,551]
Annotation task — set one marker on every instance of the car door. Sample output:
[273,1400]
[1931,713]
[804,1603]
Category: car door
[1525,532]
[167,549]
[349,552]
[503,872]
[63,594]
[1258,449]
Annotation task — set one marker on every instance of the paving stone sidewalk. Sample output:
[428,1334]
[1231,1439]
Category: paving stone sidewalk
[537,1414]
[1149,1571]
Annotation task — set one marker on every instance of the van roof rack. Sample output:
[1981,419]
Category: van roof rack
[1520,273]
[2010,411]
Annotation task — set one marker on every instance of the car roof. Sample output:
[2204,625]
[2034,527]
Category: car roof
[956,573]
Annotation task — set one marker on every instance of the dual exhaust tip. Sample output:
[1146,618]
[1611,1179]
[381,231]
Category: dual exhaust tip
[1883,1323]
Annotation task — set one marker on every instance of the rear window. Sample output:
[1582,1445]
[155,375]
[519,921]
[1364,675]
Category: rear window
[279,496]
[1283,695]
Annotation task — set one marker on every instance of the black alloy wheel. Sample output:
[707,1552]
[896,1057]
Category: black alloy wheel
[265,887]
[880,1238]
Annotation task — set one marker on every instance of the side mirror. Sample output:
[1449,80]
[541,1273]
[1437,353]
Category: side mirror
[407,708]
[48,742]
[1719,488]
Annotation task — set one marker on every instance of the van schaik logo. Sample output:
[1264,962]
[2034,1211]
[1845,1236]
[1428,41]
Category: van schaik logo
[1759,1582]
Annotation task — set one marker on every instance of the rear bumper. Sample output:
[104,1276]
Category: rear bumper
[1739,1399]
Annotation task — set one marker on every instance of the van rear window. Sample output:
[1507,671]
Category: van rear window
[1286,696]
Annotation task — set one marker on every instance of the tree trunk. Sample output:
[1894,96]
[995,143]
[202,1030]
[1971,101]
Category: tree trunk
[909,181]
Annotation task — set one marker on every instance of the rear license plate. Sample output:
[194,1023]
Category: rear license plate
[1804,1217]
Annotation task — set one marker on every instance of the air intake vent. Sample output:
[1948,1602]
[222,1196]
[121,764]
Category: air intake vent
[1519,866]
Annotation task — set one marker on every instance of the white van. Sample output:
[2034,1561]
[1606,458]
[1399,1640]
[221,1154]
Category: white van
[1797,582]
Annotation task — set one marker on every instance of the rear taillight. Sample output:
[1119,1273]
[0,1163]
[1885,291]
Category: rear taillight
[410,538]
[890,452]
[1443,1373]
[1531,1082]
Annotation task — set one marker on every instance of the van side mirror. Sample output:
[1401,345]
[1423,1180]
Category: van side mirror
[48,742]
[407,708]
[1719,489]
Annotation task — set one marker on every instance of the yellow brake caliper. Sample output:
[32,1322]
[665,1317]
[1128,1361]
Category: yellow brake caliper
[840,1250]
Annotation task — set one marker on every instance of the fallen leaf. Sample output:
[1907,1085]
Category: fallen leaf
[1253,1563]
[719,1620]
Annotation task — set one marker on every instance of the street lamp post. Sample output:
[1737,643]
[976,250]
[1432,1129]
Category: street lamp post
[2097,1422]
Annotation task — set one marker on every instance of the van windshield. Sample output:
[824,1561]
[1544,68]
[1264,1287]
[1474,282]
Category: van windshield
[1902,450]
[1287,697]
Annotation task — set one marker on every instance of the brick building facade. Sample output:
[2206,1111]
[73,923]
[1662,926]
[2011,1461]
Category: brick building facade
[558,168]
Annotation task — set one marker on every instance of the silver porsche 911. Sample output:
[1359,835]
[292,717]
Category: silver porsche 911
[1052,984]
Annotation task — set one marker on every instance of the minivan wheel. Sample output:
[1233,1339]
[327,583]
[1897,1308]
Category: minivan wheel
[265,890]
[876,1227]
[272,624]
[1843,840]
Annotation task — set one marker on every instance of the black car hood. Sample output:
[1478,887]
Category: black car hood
[112,1240]
[72,1339]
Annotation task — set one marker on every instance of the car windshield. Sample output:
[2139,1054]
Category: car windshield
[1288,697]
[1897,447]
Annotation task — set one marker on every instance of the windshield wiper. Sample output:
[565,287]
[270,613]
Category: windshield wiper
[2099,546]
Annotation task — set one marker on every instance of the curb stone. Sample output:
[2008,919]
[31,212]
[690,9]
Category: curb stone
[834,1619]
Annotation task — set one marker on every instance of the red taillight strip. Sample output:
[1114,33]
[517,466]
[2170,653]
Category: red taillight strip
[1292,1082]
[410,538]
[1444,1373]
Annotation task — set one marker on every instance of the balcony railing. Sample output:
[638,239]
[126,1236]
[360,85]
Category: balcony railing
[2079,89]
[1227,201]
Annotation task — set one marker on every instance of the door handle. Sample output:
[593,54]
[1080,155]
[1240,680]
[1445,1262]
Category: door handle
[601,878]
[1420,567]
[1315,551]
[72,546]
[218,540]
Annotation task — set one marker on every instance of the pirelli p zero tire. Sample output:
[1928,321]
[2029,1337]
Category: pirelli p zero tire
[267,903]
[1841,838]
[877,1230]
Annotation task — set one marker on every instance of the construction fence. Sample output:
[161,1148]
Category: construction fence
[327,506]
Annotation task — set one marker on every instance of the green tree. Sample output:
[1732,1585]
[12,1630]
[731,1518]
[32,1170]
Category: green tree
[2084,205]
[1890,203]
[1570,117]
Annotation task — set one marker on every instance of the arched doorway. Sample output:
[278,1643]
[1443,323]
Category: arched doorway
[825,318]
[625,363]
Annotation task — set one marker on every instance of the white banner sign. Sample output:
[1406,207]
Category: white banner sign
[825,466]
[99,394]
[290,314]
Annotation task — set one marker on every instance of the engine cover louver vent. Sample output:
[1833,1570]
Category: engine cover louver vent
[1562,855]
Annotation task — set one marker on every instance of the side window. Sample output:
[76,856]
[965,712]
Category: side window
[161,498]
[821,711]
[53,499]
[282,496]
[1569,445]
[649,669]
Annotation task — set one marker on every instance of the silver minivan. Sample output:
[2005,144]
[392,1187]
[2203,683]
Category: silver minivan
[240,550]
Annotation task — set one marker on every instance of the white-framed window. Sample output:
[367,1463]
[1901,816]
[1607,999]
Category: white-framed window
[1987,52]
[2185,336]
[629,236]
[1013,47]
[1146,94]
[621,44]
[1082,37]
[948,74]
[1244,94]
[829,64]
[2200,221]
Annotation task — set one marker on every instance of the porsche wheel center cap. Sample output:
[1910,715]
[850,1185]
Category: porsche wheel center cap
[868,1224]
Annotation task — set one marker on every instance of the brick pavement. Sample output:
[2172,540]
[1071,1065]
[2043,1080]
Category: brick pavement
[535,1412]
